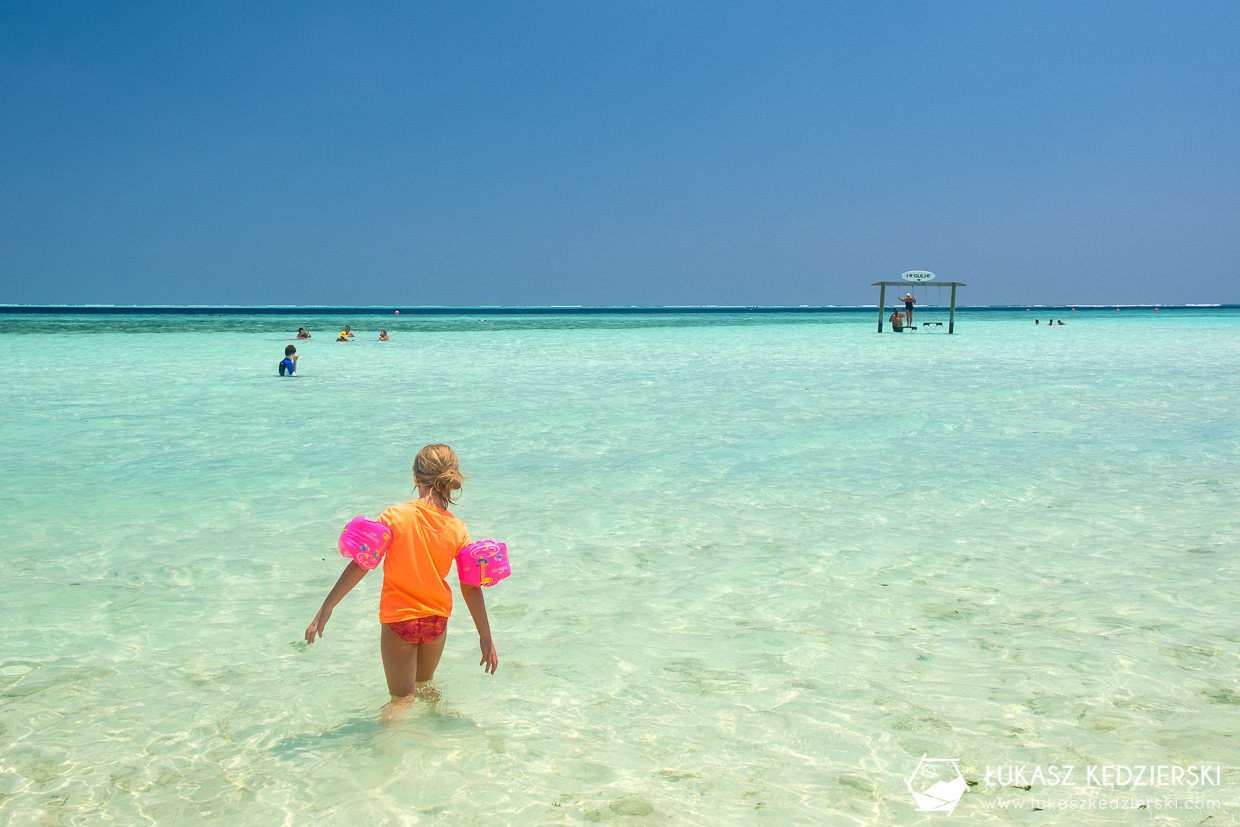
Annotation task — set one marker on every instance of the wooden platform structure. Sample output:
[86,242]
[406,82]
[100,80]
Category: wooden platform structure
[909,285]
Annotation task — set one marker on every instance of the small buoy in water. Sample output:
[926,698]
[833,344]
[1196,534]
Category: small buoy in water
[1155,308]
[397,312]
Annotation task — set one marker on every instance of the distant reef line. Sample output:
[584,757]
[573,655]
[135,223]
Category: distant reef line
[545,310]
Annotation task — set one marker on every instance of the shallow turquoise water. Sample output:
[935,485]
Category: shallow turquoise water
[762,565]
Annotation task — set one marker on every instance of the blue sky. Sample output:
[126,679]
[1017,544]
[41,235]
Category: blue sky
[617,153]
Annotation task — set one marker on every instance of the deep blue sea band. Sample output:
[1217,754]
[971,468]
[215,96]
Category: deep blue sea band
[541,310]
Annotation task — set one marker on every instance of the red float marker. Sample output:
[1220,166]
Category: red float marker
[397,312]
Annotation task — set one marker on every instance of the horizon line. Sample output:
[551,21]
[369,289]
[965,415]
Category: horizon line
[288,309]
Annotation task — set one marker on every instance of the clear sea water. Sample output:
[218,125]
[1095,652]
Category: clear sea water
[762,566]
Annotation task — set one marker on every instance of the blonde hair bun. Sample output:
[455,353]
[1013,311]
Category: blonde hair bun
[437,468]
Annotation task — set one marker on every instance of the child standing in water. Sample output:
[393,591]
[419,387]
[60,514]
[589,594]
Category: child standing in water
[288,365]
[416,600]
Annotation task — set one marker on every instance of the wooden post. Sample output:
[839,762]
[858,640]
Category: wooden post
[882,300]
[951,318]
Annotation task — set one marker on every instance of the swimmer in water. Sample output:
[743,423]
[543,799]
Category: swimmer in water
[302,333]
[415,601]
[288,365]
[383,337]
[348,332]
[897,321]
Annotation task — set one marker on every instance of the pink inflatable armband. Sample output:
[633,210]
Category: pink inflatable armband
[483,563]
[365,541]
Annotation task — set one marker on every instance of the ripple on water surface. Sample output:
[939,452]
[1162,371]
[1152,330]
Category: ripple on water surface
[761,569]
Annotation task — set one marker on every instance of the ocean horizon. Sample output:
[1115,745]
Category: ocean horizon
[566,308]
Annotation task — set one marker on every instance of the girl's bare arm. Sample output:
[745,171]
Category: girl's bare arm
[478,610]
[350,577]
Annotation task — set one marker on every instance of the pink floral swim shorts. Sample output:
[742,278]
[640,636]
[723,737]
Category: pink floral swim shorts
[420,629]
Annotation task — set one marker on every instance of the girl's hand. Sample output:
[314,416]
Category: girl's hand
[350,577]
[317,625]
[490,658]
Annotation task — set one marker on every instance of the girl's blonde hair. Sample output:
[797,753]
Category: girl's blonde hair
[437,468]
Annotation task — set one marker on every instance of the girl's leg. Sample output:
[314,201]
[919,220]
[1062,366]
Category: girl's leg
[428,659]
[400,663]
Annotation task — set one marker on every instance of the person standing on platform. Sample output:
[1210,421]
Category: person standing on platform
[909,301]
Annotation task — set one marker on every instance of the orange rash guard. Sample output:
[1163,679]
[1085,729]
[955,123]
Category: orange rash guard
[425,540]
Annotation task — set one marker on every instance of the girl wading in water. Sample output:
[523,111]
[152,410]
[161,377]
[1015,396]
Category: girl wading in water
[416,600]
